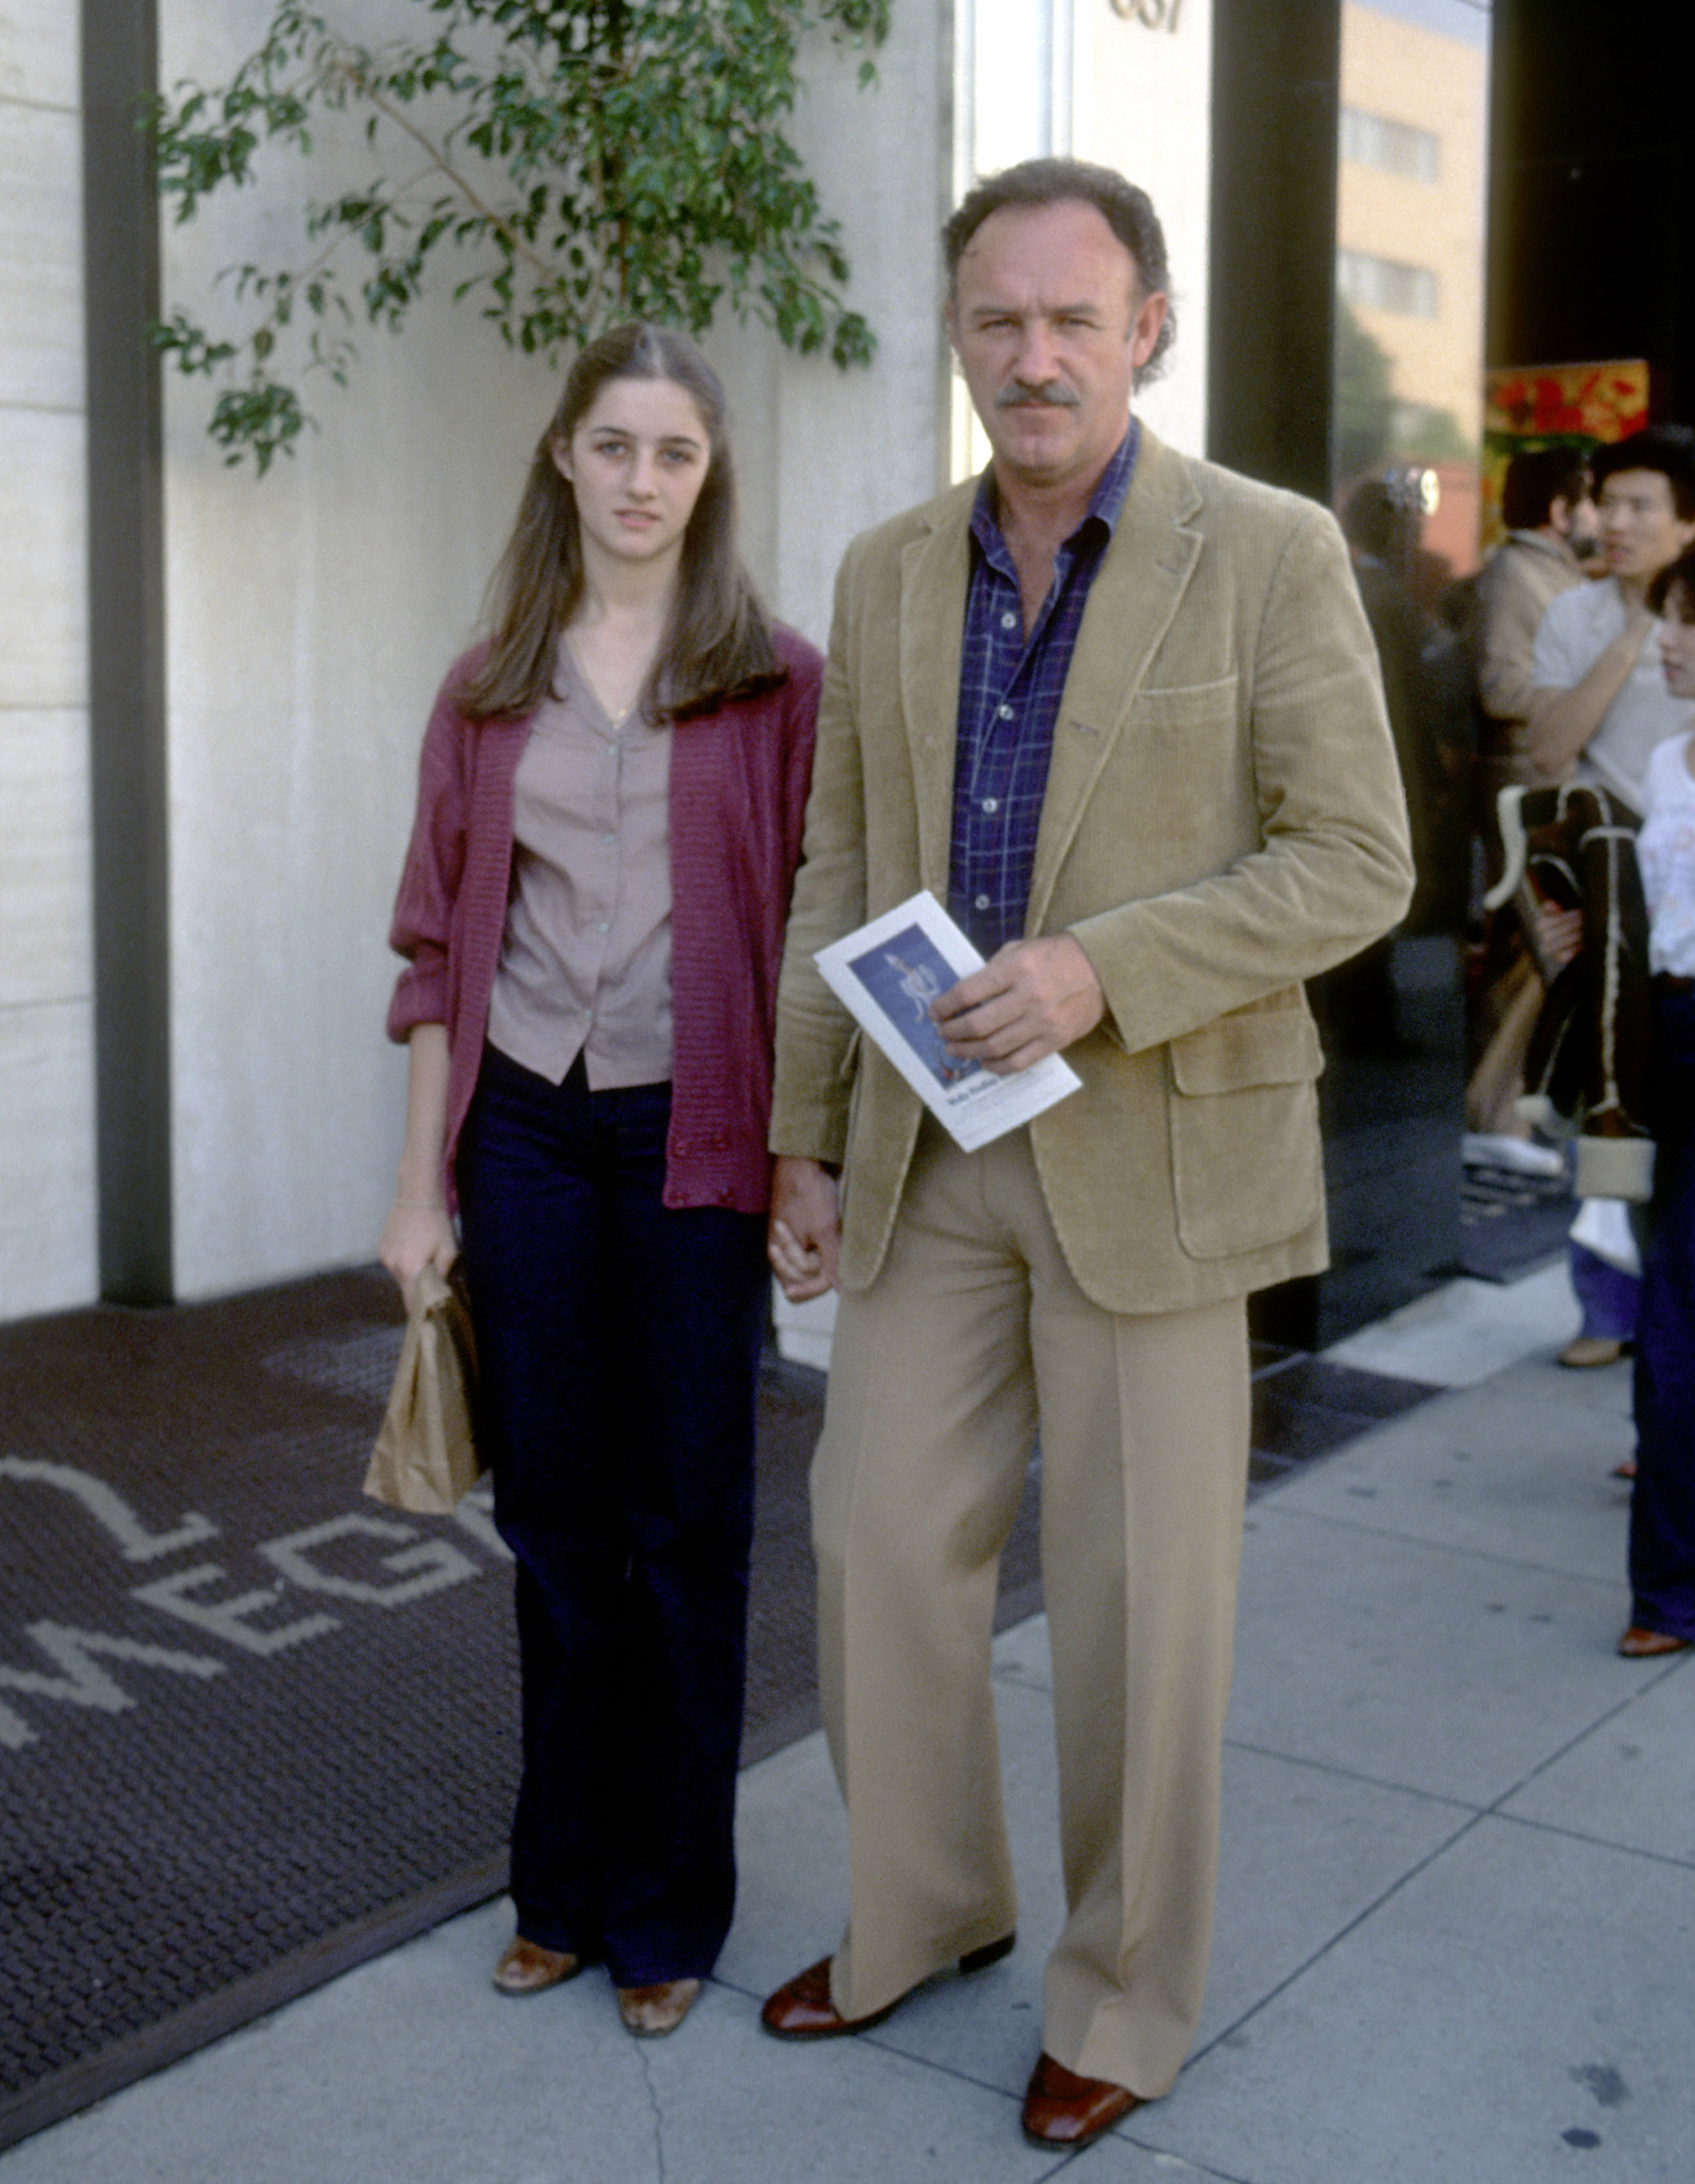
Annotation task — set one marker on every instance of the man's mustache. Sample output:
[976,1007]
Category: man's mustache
[1020,394]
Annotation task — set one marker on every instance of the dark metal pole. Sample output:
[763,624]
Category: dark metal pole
[127,658]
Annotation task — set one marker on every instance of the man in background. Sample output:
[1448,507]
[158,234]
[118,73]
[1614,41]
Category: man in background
[1547,505]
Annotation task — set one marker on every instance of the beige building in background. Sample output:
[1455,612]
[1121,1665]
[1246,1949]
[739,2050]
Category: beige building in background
[1410,214]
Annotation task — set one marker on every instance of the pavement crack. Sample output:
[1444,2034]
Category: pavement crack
[642,2056]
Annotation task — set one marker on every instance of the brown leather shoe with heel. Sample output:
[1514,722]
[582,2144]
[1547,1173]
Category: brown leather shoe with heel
[801,2008]
[650,2012]
[1065,2111]
[526,1968]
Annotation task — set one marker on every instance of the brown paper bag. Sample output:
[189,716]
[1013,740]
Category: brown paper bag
[426,1453]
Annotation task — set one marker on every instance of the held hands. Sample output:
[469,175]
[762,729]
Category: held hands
[804,1237]
[415,1236]
[1029,1000]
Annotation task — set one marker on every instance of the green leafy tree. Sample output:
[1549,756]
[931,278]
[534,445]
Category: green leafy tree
[564,166]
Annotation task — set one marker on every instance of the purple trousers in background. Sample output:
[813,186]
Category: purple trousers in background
[1609,1298]
[618,1343]
[1663,1499]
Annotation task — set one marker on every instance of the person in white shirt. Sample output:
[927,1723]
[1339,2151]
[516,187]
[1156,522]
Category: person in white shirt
[1662,1550]
[1601,706]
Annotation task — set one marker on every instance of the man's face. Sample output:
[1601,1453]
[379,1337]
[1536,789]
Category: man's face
[1050,328]
[1640,525]
[1579,523]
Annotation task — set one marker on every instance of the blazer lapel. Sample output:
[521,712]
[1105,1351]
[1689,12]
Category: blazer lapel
[935,571]
[1136,592]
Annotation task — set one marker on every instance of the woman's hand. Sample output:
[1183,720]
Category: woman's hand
[804,1231]
[415,1236]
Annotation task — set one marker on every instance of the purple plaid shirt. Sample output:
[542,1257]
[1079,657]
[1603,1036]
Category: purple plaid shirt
[1009,693]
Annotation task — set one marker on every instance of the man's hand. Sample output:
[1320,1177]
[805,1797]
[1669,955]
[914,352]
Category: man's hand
[1030,998]
[804,1237]
[1557,939]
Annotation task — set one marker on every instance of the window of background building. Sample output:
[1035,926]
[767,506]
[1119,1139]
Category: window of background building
[1395,147]
[1383,284]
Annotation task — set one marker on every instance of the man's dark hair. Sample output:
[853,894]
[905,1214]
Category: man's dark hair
[1667,448]
[1535,478]
[1127,210]
[1678,576]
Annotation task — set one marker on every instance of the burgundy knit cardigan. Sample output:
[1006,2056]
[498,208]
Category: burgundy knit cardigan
[737,798]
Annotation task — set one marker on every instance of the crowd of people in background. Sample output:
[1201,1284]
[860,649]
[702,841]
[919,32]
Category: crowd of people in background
[1542,709]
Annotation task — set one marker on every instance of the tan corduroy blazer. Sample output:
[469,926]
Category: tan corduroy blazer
[1223,819]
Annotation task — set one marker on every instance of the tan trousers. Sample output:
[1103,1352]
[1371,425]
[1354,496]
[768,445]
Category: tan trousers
[974,1337]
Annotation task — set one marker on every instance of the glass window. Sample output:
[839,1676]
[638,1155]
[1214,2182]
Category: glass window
[1384,284]
[1395,147]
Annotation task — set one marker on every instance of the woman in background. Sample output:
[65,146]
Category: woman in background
[609,818]
[1662,1552]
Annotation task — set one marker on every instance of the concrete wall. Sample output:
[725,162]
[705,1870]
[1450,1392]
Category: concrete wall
[311,616]
[47,1091]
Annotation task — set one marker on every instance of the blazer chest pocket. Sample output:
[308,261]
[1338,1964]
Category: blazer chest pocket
[1244,1119]
[1188,706]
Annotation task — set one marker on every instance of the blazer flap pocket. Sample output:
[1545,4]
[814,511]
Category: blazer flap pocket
[1258,1047]
[1190,704]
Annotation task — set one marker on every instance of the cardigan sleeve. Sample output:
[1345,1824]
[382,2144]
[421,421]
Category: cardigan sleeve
[799,714]
[435,864]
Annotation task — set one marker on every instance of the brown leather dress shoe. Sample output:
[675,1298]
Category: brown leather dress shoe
[1064,2110]
[801,2008]
[526,1968]
[650,2012]
[1638,1644]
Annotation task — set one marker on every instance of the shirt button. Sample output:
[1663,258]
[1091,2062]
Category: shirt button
[1009,622]
[603,928]
[981,902]
[609,838]
[1004,713]
[991,804]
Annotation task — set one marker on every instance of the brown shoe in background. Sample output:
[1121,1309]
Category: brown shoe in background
[650,2012]
[1062,2110]
[526,1968]
[1639,1644]
[1591,1350]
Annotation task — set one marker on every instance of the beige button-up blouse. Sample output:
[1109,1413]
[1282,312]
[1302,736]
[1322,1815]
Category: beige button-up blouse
[585,964]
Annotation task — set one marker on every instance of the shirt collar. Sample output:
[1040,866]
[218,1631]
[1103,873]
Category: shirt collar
[1105,503]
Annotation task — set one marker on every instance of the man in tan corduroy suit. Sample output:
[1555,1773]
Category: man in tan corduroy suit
[1121,710]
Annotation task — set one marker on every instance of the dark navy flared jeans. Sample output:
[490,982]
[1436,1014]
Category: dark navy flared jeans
[1663,1499]
[618,1344]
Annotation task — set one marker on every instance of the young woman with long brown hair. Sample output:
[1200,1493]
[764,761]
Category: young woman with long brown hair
[609,818]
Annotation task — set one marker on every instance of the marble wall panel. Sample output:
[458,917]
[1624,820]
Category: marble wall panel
[48,1257]
[44,857]
[41,257]
[43,576]
[40,59]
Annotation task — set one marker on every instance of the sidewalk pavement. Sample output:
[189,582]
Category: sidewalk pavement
[1456,1932]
